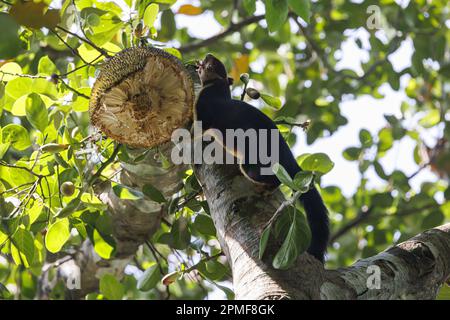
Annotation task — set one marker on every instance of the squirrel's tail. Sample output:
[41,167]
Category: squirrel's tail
[317,215]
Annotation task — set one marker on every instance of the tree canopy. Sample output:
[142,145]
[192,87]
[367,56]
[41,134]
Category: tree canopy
[51,159]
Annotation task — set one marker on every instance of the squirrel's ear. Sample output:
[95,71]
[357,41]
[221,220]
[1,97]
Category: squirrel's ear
[230,81]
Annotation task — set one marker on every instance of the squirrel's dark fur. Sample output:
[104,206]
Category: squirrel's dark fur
[217,110]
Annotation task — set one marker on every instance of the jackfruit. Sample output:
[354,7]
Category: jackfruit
[141,96]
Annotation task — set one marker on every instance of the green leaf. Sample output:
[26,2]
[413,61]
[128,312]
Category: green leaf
[352,153]
[283,175]
[365,137]
[46,66]
[34,15]
[276,13]
[174,52]
[263,241]
[212,270]
[318,162]
[382,200]
[249,6]
[149,278]
[168,26]
[444,293]
[4,293]
[17,136]
[19,87]
[57,235]
[301,8]
[9,68]
[271,101]
[431,119]
[180,234]
[150,14]
[228,292]
[153,193]
[296,242]
[433,219]
[93,20]
[3,148]
[101,246]
[91,201]
[36,112]
[204,225]
[10,44]
[70,208]
[126,193]
[20,105]
[170,278]
[24,243]
[111,288]
[302,180]
[380,171]
[385,140]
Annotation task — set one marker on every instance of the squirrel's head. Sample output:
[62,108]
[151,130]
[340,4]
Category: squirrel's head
[212,68]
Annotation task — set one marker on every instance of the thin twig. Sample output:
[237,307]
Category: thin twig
[363,216]
[17,187]
[105,164]
[5,164]
[231,29]
[423,166]
[74,51]
[23,75]
[89,42]
[150,246]
[244,91]
[74,90]
[303,125]
[280,209]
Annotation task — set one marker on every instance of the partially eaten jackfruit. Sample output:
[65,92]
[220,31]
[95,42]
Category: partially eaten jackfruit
[141,96]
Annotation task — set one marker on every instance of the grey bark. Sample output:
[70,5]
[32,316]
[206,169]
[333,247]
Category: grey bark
[414,269]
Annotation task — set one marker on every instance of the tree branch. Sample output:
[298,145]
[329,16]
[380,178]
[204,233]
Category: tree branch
[413,269]
[323,56]
[89,42]
[231,29]
[366,214]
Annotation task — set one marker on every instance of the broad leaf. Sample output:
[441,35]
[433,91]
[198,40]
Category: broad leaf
[149,278]
[150,14]
[296,242]
[111,288]
[36,112]
[276,13]
[301,7]
[318,162]
[153,193]
[283,176]
[57,235]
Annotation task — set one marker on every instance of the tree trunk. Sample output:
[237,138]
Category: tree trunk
[414,269]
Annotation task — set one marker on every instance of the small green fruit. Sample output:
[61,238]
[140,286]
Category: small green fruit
[67,189]
[54,147]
